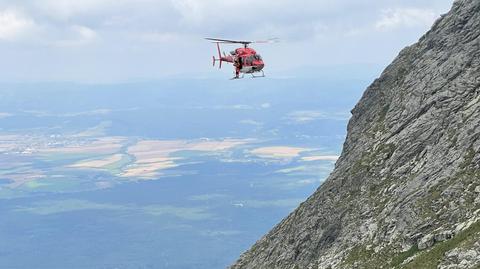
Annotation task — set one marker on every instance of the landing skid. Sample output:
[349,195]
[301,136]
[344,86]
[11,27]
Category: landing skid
[252,74]
[261,76]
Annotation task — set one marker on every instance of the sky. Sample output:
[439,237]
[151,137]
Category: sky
[135,40]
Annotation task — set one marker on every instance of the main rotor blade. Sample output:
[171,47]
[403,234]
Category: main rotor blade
[270,40]
[229,41]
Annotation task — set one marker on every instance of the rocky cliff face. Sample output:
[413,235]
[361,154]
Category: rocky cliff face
[406,191]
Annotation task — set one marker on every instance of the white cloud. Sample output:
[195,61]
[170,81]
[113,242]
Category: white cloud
[14,25]
[251,122]
[306,116]
[132,39]
[84,32]
[5,115]
[266,105]
[78,35]
[405,17]
[234,107]
[157,37]
[192,11]
[64,9]
[101,111]
[288,203]
[52,207]
[208,197]
[278,152]
[320,158]
[94,112]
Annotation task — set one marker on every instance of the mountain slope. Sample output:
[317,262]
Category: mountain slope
[406,190]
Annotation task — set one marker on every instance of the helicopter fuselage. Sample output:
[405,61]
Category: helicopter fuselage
[247,60]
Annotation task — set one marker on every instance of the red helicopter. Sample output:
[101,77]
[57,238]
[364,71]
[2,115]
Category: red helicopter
[245,60]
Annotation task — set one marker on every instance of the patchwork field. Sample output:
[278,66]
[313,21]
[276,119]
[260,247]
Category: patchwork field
[158,176]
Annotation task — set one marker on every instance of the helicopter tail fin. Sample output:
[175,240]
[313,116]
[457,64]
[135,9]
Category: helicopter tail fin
[217,60]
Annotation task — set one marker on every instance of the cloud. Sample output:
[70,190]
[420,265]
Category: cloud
[221,233]
[251,122]
[77,35]
[162,19]
[306,116]
[405,17]
[94,112]
[231,107]
[320,158]
[288,203]
[259,20]
[320,19]
[66,9]
[192,11]
[71,23]
[84,32]
[307,170]
[52,207]
[293,170]
[63,206]
[118,40]
[304,182]
[266,105]
[158,37]
[278,152]
[186,213]
[63,9]
[238,107]
[5,115]
[14,25]
[208,197]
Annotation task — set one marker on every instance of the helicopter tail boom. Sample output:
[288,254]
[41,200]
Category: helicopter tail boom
[219,57]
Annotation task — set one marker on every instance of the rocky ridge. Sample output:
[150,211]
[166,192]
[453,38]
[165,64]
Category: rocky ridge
[405,192]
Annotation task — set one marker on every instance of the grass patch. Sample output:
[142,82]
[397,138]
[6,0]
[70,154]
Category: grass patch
[400,258]
[358,254]
[432,257]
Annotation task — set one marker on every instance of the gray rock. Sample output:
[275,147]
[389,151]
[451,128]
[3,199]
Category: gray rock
[443,236]
[426,242]
[462,258]
[411,153]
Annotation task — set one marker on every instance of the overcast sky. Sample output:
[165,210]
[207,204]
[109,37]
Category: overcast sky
[121,40]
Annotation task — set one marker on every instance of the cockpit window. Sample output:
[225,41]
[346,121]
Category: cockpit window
[249,59]
[258,57]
